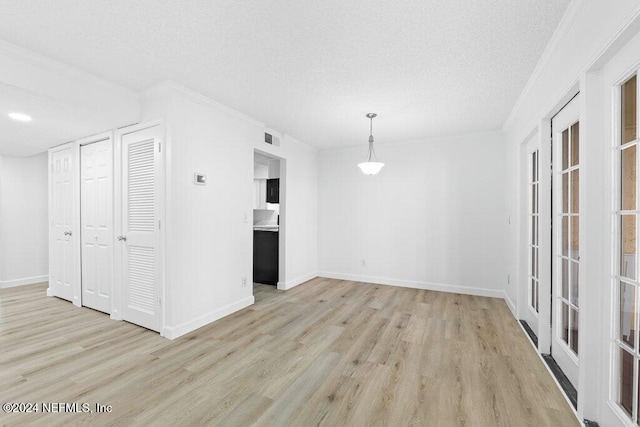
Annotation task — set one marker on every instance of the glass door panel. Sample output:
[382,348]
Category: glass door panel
[626,283]
[566,240]
[534,249]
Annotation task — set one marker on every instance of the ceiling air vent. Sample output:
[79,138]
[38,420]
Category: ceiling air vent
[271,139]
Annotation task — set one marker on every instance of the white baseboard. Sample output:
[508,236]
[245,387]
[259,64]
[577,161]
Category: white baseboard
[511,305]
[482,292]
[24,281]
[173,332]
[295,282]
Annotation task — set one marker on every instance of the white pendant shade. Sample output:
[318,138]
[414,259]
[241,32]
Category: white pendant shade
[370,168]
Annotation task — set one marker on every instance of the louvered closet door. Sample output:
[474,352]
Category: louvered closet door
[96,207]
[140,236]
[61,243]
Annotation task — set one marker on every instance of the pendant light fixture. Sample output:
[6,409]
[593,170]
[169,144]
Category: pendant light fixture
[372,166]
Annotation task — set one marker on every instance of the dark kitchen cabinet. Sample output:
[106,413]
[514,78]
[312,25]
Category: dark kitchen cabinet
[273,190]
[265,257]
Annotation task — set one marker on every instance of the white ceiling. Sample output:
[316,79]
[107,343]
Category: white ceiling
[311,69]
[55,121]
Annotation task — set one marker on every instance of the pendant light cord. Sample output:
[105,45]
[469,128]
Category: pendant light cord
[371,128]
[372,152]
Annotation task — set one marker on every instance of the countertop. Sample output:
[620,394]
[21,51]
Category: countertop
[268,227]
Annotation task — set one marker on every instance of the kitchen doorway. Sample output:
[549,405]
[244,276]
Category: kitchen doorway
[268,219]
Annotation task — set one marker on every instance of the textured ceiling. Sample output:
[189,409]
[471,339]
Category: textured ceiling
[311,69]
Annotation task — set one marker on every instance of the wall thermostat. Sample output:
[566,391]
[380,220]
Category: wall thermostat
[199,179]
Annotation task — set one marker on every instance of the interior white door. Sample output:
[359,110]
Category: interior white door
[566,239]
[139,238]
[61,253]
[96,224]
[531,192]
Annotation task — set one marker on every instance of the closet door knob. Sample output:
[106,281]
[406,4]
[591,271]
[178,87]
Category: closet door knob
[67,233]
[122,238]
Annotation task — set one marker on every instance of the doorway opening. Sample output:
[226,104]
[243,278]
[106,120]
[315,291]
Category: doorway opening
[268,222]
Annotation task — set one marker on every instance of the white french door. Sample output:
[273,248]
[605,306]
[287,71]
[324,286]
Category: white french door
[626,311]
[139,239]
[61,246]
[96,224]
[566,240]
[531,205]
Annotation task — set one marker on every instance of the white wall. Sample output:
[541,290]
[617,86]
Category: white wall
[23,220]
[209,228]
[433,218]
[298,211]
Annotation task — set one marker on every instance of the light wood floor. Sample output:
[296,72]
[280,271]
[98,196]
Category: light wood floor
[327,352]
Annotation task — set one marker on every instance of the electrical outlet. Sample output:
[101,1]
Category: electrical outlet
[363,263]
[244,281]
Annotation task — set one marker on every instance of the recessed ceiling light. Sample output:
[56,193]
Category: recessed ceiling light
[20,117]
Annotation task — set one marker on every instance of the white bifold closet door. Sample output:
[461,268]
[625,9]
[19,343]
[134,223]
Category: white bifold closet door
[61,253]
[139,239]
[96,219]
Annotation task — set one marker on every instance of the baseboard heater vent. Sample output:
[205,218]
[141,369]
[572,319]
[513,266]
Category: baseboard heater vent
[566,385]
[532,335]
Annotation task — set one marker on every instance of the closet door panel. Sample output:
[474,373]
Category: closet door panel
[61,241]
[96,201]
[139,240]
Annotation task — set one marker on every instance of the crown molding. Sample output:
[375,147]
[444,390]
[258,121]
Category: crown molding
[615,41]
[567,23]
[446,138]
[202,99]
[21,54]
[292,140]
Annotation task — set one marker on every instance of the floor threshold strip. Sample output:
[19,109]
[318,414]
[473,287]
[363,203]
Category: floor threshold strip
[564,382]
[532,335]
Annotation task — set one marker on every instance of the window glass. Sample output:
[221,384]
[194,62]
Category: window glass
[626,381]
[628,178]
[565,149]
[575,144]
[628,247]
[627,310]
[629,110]
[574,330]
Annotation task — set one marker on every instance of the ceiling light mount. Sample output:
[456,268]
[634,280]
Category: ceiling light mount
[372,166]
